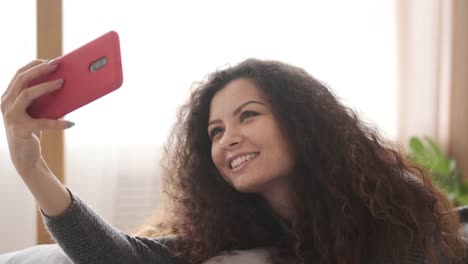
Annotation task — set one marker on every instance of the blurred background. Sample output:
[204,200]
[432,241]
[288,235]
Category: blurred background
[401,64]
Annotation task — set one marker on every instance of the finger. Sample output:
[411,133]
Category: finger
[30,94]
[23,79]
[25,68]
[19,71]
[50,124]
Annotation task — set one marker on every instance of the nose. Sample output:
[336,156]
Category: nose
[231,138]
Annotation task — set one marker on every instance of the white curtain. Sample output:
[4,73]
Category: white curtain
[425,34]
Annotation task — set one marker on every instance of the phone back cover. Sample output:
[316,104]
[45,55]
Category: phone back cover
[81,86]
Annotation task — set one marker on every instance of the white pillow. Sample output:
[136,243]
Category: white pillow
[41,254]
[252,256]
[53,254]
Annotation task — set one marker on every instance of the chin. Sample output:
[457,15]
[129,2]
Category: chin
[246,189]
[249,187]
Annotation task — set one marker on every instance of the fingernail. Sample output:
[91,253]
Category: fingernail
[70,124]
[53,62]
[58,83]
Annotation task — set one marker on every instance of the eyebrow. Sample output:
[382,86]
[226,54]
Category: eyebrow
[237,110]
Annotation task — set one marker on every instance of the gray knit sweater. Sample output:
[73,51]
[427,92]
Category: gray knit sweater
[88,239]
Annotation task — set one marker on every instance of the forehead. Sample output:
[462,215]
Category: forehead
[232,95]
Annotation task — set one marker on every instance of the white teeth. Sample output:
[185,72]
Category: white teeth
[242,159]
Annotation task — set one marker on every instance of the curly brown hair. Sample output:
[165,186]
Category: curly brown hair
[357,198]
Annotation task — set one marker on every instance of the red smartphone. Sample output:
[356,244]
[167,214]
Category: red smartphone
[88,73]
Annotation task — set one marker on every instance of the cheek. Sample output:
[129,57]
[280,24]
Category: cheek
[219,163]
[216,157]
[282,150]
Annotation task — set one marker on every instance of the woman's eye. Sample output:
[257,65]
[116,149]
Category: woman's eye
[247,114]
[214,132]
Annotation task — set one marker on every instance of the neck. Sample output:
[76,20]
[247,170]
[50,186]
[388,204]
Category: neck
[279,197]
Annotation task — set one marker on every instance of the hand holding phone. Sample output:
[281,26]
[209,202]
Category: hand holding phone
[88,73]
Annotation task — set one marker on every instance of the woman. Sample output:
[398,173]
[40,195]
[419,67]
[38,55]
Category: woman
[262,156]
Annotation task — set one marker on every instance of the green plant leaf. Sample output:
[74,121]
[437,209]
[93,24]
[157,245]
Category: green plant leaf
[463,188]
[462,199]
[444,172]
[452,165]
[416,146]
[440,161]
[419,153]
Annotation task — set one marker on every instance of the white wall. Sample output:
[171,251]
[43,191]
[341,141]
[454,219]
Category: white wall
[17,47]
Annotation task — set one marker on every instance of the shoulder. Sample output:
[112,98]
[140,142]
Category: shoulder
[157,249]
[251,256]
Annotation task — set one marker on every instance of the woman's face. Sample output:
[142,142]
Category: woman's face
[249,148]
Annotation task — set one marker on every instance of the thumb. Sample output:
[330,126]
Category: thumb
[52,124]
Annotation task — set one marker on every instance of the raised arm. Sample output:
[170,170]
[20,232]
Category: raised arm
[83,235]
[24,133]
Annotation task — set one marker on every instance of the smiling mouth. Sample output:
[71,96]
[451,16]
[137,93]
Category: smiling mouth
[239,162]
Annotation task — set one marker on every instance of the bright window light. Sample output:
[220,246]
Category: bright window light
[168,45]
[18,45]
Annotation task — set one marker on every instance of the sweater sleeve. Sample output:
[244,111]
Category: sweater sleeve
[87,238]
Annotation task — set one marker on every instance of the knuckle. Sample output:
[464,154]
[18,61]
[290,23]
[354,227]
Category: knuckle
[7,116]
[19,71]
[28,66]
[3,107]
[21,77]
[42,123]
[26,95]
[48,124]
[5,110]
